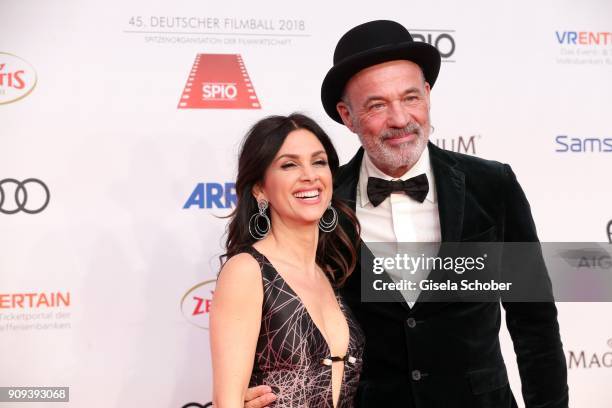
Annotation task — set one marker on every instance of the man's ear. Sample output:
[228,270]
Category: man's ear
[345,114]
[427,92]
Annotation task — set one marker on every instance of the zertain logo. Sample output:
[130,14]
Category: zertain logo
[609,230]
[566,144]
[219,81]
[460,144]
[34,300]
[196,303]
[584,359]
[212,195]
[30,196]
[584,37]
[17,78]
[443,40]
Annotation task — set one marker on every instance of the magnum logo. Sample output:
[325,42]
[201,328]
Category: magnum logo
[218,81]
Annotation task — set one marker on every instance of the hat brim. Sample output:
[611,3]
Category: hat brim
[421,53]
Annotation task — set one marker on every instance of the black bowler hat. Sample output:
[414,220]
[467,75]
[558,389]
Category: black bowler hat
[369,44]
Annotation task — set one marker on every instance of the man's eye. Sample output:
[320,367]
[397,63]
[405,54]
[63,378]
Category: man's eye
[376,106]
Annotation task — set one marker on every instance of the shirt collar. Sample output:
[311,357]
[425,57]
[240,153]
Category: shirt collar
[422,166]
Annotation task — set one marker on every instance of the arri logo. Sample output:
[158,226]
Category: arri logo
[17,78]
[212,195]
[566,144]
[219,81]
[443,40]
[196,303]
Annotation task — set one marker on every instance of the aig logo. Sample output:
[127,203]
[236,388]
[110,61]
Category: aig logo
[443,40]
[30,196]
[212,195]
[609,230]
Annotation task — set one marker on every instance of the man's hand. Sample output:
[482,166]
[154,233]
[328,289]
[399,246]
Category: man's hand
[258,397]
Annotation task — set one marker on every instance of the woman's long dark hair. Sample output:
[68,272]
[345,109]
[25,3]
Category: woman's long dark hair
[336,252]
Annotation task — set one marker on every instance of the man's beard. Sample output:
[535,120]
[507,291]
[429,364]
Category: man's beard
[391,157]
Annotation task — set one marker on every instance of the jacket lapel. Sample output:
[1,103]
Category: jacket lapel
[450,188]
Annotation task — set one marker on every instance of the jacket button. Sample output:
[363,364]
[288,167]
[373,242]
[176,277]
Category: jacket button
[416,375]
[411,322]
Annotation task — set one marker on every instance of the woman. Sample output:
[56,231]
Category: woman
[277,319]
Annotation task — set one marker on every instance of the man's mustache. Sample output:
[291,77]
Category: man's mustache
[405,131]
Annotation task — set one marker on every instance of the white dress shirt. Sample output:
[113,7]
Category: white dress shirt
[398,218]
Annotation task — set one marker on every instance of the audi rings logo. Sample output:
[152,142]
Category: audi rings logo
[30,196]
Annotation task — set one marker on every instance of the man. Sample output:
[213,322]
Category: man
[443,354]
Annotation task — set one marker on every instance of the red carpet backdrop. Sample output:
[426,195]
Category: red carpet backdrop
[119,129]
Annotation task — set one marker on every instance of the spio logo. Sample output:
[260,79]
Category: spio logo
[217,91]
[219,81]
[212,195]
[30,196]
[196,303]
[443,40]
[17,78]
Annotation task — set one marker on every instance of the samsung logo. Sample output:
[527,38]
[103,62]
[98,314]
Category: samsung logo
[566,144]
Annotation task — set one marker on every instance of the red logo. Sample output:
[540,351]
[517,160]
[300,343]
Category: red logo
[219,81]
[196,303]
[34,300]
[17,78]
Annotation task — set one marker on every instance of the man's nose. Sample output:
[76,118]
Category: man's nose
[398,117]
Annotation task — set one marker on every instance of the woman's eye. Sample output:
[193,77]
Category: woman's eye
[287,165]
[321,162]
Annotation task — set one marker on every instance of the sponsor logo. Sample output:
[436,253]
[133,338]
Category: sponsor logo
[30,196]
[17,78]
[584,37]
[609,230]
[218,81]
[212,195]
[443,40]
[196,405]
[584,47]
[567,144]
[35,300]
[588,359]
[460,144]
[196,303]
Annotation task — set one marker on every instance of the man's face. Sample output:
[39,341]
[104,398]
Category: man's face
[387,105]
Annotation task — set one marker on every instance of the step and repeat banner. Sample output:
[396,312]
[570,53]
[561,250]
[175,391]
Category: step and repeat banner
[120,124]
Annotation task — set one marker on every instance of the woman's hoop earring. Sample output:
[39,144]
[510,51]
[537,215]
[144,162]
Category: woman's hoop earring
[329,225]
[258,232]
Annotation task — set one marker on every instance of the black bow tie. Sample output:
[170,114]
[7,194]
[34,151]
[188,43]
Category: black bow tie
[415,187]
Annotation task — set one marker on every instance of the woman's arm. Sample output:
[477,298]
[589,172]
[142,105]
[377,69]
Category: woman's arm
[235,321]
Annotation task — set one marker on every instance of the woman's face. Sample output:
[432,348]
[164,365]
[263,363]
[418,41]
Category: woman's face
[298,183]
